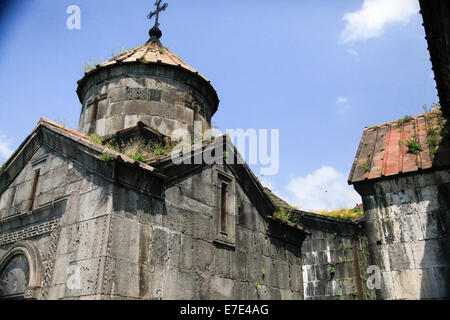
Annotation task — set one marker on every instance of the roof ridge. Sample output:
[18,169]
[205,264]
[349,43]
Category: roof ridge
[435,112]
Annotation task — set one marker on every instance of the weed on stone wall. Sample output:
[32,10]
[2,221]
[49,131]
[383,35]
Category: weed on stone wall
[283,214]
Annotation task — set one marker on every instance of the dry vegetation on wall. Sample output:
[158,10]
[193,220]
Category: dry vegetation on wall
[136,149]
[345,214]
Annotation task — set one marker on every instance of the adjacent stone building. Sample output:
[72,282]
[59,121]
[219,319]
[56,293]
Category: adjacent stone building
[402,173]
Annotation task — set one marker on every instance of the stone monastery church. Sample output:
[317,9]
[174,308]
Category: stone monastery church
[105,213]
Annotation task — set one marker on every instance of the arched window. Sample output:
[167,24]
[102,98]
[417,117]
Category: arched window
[14,278]
[20,271]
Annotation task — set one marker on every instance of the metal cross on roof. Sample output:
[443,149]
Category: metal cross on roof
[155,13]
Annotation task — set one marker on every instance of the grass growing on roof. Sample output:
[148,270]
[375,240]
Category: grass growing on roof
[403,120]
[366,165]
[96,139]
[106,157]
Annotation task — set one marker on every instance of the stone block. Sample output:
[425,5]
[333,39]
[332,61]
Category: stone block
[400,256]
[435,283]
[60,268]
[100,127]
[240,291]
[117,94]
[114,124]
[204,255]
[103,109]
[432,225]
[373,232]
[221,288]
[255,267]
[180,285]
[407,283]
[322,272]
[332,288]
[137,107]
[203,226]
[56,292]
[319,244]
[158,247]
[286,295]
[174,251]
[380,255]
[410,228]
[169,126]
[125,202]
[239,265]
[428,254]
[125,239]
[296,278]
[124,279]
[130,121]
[188,249]
[222,262]
[52,180]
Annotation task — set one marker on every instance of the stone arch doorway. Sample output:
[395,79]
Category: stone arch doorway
[21,272]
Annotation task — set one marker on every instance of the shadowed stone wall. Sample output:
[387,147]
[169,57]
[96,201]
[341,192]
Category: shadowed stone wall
[105,230]
[163,97]
[335,259]
[174,250]
[70,220]
[407,223]
[65,222]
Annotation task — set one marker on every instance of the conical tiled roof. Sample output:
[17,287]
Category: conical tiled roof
[151,52]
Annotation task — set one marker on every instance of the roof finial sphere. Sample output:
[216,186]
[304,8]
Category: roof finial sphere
[155,33]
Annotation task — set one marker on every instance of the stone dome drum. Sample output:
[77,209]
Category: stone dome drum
[148,84]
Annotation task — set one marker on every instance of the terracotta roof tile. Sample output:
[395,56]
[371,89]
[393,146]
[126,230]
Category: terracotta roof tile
[153,52]
[384,151]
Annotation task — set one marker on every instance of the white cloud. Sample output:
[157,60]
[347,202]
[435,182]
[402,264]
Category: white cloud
[371,20]
[342,100]
[342,105]
[5,150]
[352,52]
[324,189]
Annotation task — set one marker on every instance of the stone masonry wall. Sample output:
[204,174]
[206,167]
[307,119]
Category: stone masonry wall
[119,98]
[335,258]
[173,251]
[66,223]
[407,223]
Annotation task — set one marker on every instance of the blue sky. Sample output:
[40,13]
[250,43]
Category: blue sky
[320,71]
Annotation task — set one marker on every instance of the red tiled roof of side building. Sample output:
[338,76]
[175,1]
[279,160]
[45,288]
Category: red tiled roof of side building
[400,146]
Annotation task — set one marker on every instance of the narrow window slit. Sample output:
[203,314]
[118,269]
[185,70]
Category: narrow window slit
[223,215]
[94,111]
[33,190]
